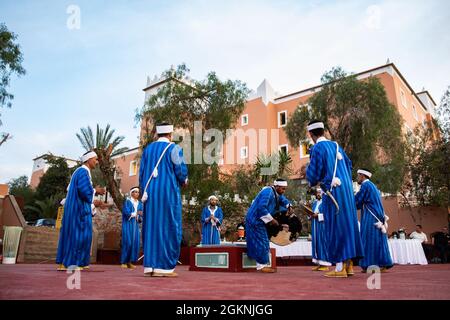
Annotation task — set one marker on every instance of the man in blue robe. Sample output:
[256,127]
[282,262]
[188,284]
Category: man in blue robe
[212,217]
[267,203]
[330,168]
[75,237]
[318,241]
[162,173]
[373,224]
[131,217]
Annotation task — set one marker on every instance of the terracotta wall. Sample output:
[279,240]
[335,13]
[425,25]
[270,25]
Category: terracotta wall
[431,218]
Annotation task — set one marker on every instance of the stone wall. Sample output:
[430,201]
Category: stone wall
[108,223]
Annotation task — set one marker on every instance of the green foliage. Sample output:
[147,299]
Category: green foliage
[358,115]
[277,165]
[429,168]
[443,113]
[106,146]
[47,208]
[11,59]
[10,63]
[19,187]
[182,101]
[55,180]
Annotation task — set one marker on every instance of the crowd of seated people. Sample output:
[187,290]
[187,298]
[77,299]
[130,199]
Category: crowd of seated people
[436,250]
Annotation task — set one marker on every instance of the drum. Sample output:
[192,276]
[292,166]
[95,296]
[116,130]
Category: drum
[287,231]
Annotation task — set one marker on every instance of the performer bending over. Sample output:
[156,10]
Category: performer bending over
[131,217]
[212,216]
[330,168]
[267,203]
[373,227]
[318,240]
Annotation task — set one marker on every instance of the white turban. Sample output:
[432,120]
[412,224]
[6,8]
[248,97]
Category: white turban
[163,129]
[316,125]
[87,156]
[212,197]
[134,189]
[281,183]
[364,172]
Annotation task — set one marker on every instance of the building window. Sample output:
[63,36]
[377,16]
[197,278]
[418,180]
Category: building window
[304,149]
[133,168]
[415,112]
[283,148]
[282,118]
[244,152]
[244,119]
[403,98]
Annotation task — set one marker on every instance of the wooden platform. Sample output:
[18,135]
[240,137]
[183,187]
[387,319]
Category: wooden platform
[220,258]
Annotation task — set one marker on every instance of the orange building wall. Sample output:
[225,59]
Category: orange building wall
[36,178]
[123,165]
[266,117]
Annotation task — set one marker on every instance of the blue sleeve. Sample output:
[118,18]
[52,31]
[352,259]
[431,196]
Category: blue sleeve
[142,165]
[263,202]
[284,202]
[127,209]
[179,164]
[315,170]
[205,214]
[361,196]
[84,187]
[348,162]
[219,214]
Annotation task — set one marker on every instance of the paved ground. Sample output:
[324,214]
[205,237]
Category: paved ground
[42,281]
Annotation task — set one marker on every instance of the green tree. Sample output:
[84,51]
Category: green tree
[106,146]
[443,113]
[358,115]
[19,187]
[55,180]
[10,63]
[47,208]
[428,158]
[182,101]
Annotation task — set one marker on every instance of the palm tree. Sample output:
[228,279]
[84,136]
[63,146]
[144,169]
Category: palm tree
[106,146]
[277,165]
[46,208]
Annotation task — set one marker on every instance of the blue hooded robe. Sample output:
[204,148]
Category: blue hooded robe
[375,242]
[341,227]
[130,232]
[210,232]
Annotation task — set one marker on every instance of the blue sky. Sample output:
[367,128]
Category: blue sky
[95,74]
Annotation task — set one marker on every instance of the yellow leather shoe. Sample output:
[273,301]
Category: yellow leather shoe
[61,268]
[316,268]
[148,274]
[131,266]
[383,270]
[167,275]
[124,266]
[323,268]
[267,270]
[336,274]
[85,268]
[349,268]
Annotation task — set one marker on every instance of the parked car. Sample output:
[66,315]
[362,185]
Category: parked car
[45,223]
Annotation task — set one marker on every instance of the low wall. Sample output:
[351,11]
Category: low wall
[432,219]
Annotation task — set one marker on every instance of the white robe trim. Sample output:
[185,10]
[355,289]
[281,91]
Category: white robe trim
[267,218]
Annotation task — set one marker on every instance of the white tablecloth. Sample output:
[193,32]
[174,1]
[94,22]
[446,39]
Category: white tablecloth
[407,251]
[297,248]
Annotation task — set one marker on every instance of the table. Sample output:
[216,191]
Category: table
[407,251]
[297,248]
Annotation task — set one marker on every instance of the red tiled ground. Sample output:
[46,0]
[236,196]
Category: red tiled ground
[42,281]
